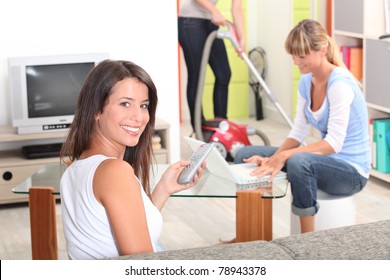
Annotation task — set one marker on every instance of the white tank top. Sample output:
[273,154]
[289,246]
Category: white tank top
[87,230]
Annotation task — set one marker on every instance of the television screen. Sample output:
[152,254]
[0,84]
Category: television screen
[52,90]
[44,90]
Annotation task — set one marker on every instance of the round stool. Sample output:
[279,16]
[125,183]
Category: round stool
[335,211]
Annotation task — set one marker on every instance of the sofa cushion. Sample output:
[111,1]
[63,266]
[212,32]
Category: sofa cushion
[255,250]
[359,242]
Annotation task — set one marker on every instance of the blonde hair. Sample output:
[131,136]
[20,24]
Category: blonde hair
[308,35]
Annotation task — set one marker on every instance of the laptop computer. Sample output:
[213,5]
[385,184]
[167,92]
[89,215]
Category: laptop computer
[238,173]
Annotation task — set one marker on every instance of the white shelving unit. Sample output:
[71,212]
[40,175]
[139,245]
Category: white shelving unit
[15,169]
[361,23]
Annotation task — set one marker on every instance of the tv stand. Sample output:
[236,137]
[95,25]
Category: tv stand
[42,151]
[15,168]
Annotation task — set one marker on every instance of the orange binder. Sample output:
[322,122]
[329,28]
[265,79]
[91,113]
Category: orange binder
[356,62]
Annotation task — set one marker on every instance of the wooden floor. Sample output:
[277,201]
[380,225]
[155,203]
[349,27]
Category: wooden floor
[195,222]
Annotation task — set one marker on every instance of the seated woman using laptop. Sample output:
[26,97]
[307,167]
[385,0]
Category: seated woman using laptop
[331,100]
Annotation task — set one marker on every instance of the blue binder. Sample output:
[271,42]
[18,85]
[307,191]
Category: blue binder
[382,148]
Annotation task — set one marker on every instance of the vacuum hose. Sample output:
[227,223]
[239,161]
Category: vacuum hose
[199,92]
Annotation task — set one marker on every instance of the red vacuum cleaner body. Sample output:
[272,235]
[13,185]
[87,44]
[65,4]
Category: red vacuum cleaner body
[228,136]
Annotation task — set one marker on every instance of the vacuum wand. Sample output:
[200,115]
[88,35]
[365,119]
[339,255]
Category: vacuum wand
[271,97]
[232,36]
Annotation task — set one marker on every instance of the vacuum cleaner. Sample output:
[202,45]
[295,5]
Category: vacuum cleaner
[228,136]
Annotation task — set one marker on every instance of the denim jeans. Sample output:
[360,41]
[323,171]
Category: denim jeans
[193,33]
[308,172]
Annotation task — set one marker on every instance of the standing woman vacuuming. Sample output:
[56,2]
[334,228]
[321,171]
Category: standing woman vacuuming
[197,19]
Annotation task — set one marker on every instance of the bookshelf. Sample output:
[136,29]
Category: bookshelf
[14,168]
[361,23]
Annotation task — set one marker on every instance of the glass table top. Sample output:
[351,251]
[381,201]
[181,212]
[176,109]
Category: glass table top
[209,185]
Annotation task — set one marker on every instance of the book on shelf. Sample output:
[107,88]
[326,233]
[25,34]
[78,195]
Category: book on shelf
[380,144]
[156,142]
[353,60]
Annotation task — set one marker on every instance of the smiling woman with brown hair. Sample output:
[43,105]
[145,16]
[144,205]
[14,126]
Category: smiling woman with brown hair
[107,206]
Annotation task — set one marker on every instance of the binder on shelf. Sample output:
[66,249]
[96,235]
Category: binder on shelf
[353,60]
[356,62]
[381,148]
[345,53]
[372,146]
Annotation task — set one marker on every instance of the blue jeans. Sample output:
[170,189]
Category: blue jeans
[308,172]
[193,33]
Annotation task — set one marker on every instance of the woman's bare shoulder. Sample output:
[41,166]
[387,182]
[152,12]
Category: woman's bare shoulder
[113,166]
[113,176]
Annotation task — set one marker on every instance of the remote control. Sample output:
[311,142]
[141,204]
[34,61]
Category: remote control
[196,159]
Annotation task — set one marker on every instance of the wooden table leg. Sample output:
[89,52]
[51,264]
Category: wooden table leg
[253,216]
[43,223]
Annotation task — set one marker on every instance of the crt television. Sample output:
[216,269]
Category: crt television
[44,90]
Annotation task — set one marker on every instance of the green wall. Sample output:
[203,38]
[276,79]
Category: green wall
[301,10]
